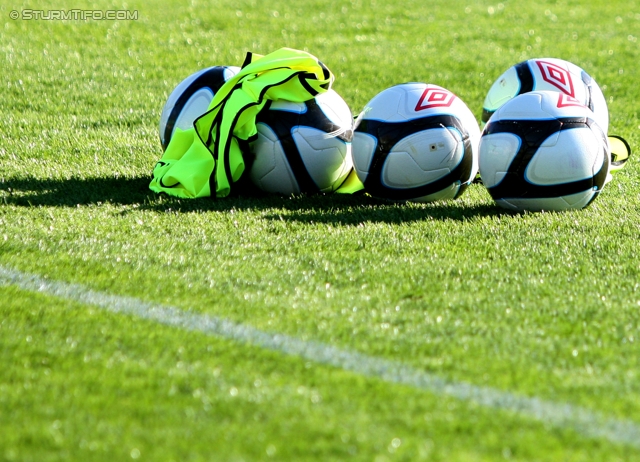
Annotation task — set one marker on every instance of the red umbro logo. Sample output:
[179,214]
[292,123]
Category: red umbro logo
[557,76]
[434,97]
[566,100]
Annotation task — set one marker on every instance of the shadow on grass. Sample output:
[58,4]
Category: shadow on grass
[33,192]
[333,209]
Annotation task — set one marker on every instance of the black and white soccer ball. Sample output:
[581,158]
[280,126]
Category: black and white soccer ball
[547,74]
[544,150]
[417,142]
[191,98]
[302,147]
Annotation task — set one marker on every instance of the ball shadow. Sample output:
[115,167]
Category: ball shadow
[338,209]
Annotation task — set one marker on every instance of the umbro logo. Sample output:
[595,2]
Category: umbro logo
[556,76]
[434,97]
[565,100]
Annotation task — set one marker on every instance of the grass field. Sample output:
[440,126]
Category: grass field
[313,328]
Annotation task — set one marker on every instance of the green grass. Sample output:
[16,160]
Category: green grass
[544,305]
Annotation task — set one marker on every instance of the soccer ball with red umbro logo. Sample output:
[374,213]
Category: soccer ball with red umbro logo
[417,142]
[543,150]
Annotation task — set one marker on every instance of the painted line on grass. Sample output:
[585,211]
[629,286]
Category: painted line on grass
[585,422]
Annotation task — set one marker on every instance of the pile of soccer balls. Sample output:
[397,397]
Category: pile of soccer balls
[543,146]
[301,147]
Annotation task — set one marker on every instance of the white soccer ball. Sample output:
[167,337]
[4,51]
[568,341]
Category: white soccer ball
[547,74]
[543,150]
[302,147]
[416,141]
[191,98]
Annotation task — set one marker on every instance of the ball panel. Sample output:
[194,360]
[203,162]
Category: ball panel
[434,148]
[551,140]
[335,109]
[386,106]
[193,108]
[326,158]
[402,171]
[422,158]
[569,155]
[529,107]
[270,170]
[503,89]
[191,98]
[288,106]
[362,149]
[496,153]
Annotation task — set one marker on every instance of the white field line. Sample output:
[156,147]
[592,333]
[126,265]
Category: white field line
[560,415]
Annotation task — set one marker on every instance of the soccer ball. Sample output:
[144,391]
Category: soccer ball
[547,74]
[543,150]
[191,98]
[417,142]
[302,147]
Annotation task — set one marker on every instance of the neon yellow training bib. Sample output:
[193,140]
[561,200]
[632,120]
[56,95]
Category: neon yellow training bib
[207,159]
